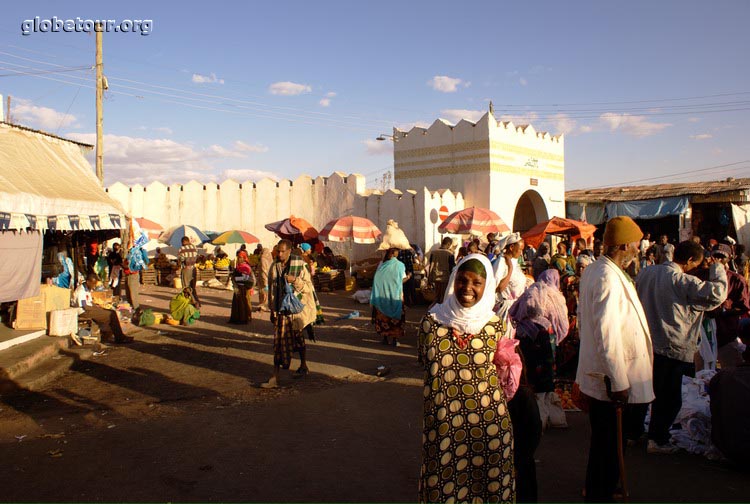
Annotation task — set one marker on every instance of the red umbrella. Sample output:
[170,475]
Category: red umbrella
[357,229]
[296,229]
[152,229]
[473,220]
[558,226]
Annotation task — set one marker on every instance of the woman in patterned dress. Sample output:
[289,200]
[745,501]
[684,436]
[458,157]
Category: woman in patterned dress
[467,443]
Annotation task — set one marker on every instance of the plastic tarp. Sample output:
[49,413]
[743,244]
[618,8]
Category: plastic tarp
[593,213]
[741,217]
[21,266]
[648,209]
[46,183]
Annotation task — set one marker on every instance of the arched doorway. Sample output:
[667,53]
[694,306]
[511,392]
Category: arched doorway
[530,211]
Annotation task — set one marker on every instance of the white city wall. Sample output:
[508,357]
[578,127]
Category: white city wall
[249,206]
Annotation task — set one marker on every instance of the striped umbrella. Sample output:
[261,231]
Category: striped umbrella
[235,236]
[173,236]
[473,220]
[357,229]
[152,229]
[296,229]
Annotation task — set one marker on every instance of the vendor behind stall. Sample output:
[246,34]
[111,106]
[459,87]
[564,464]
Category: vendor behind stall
[107,320]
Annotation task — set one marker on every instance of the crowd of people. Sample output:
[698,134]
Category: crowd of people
[625,317]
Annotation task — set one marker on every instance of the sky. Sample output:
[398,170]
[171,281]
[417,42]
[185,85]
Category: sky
[644,92]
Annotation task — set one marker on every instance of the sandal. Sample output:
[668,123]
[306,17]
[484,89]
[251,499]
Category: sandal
[300,373]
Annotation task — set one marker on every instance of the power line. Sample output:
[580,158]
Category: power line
[41,72]
[690,172]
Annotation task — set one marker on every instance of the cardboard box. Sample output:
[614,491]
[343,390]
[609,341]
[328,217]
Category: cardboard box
[55,298]
[31,314]
[63,322]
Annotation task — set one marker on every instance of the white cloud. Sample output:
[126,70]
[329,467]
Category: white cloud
[241,146]
[243,174]
[632,125]
[26,113]
[410,125]
[378,147]
[446,84]
[525,118]
[522,81]
[326,101]
[288,88]
[693,119]
[455,115]
[563,124]
[702,136]
[207,79]
[586,129]
[222,152]
[132,160]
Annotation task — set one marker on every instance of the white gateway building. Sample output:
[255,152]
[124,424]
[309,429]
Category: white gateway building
[513,170]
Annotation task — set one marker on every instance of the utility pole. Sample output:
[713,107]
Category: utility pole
[7,112]
[98,29]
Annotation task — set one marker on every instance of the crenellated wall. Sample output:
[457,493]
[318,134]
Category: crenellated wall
[493,164]
[249,206]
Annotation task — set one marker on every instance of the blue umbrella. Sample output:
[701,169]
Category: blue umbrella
[173,236]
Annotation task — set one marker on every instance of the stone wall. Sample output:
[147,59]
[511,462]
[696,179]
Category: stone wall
[248,206]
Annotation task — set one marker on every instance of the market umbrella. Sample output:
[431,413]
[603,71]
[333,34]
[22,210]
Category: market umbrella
[152,229]
[356,229]
[173,236]
[296,229]
[234,236]
[474,220]
[558,226]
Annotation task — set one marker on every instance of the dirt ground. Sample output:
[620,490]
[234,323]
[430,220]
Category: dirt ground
[178,416]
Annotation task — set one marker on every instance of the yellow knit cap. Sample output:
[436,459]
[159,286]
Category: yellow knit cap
[621,230]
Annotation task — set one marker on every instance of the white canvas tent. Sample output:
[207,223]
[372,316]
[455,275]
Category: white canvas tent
[45,183]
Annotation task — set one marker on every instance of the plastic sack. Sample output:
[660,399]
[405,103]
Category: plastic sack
[147,318]
[509,366]
[394,237]
[290,304]
[362,296]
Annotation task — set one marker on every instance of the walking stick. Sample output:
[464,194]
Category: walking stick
[620,450]
[621,453]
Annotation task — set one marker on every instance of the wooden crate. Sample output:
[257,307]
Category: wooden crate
[148,277]
[204,275]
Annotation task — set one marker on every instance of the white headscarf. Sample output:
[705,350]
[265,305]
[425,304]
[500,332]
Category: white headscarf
[467,320]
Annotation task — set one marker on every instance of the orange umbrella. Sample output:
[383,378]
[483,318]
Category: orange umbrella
[558,226]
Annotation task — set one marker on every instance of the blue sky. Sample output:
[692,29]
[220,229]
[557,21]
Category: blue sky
[252,89]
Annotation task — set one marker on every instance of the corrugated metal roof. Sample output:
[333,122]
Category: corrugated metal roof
[634,193]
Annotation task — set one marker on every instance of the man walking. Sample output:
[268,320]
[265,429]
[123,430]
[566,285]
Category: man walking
[674,302]
[442,263]
[615,343]
[289,327]
[664,250]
